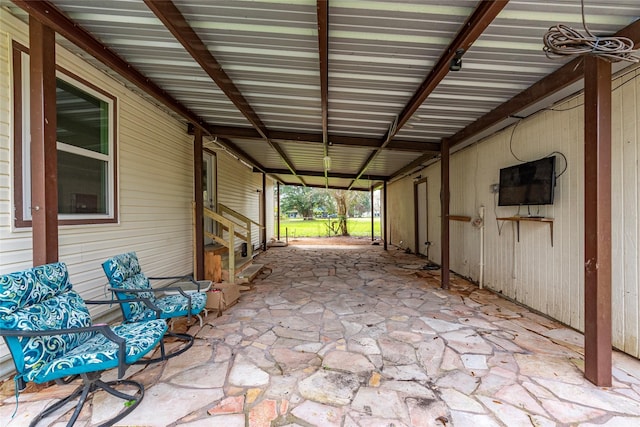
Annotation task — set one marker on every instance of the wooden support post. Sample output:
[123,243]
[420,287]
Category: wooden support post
[373,234]
[597,220]
[232,255]
[263,214]
[198,268]
[278,214]
[383,219]
[44,154]
[416,219]
[444,206]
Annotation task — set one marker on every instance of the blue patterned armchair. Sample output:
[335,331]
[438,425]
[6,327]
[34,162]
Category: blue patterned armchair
[50,335]
[139,301]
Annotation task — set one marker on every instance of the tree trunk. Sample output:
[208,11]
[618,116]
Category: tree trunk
[342,205]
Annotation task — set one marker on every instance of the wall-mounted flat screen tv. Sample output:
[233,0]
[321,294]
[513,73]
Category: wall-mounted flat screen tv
[530,183]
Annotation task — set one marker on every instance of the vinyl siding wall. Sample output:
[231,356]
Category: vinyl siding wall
[155,182]
[400,210]
[238,189]
[270,212]
[532,271]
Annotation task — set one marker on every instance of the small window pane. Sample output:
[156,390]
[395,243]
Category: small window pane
[83,120]
[82,184]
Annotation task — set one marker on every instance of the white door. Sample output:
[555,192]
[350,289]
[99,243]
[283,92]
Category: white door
[209,192]
[422,246]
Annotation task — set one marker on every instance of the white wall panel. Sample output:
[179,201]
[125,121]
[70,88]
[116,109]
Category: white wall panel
[238,189]
[464,188]
[400,212]
[270,210]
[532,271]
[625,213]
[15,248]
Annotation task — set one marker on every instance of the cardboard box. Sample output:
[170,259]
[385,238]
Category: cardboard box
[217,300]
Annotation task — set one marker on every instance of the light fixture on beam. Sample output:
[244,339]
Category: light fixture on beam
[327,163]
[456,61]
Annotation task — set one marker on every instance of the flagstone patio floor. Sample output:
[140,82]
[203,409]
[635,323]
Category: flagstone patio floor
[354,336]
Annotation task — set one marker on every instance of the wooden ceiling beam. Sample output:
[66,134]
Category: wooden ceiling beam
[286,160]
[332,187]
[474,26]
[323,56]
[482,16]
[347,140]
[53,18]
[330,174]
[239,152]
[49,15]
[323,53]
[176,23]
[414,164]
[559,79]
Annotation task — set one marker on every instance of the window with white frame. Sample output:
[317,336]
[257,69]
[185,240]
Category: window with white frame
[85,148]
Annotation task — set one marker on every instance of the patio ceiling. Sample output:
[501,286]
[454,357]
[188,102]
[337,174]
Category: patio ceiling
[284,84]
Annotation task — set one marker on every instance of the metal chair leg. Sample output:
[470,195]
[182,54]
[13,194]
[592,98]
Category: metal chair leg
[91,384]
[187,338]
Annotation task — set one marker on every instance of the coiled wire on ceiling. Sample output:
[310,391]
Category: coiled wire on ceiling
[562,40]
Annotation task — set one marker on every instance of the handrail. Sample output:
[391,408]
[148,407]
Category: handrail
[242,221]
[238,215]
[237,226]
[219,218]
[237,233]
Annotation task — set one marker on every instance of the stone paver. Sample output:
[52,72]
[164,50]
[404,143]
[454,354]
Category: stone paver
[353,336]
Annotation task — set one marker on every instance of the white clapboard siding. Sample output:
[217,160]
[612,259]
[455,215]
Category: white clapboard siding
[270,210]
[238,189]
[400,212]
[625,213]
[532,271]
[155,182]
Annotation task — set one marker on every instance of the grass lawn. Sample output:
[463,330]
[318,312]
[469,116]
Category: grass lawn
[358,227]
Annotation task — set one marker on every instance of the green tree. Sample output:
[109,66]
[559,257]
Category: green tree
[361,204]
[303,199]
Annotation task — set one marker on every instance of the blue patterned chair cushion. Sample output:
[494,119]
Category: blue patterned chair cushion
[41,299]
[174,306]
[24,288]
[123,272]
[101,353]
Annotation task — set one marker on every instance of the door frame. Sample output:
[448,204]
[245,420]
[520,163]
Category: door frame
[416,216]
[210,166]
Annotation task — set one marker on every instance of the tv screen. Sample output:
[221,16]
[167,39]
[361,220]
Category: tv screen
[530,183]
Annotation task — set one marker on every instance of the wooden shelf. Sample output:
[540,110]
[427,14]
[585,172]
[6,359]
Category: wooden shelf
[462,218]
[518,219]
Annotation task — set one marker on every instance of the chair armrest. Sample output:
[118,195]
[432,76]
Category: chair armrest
[135,291]
[146,302]
[154,290]
[184,294]
[101,328]
[180,291]
[189,278]
[176,289]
